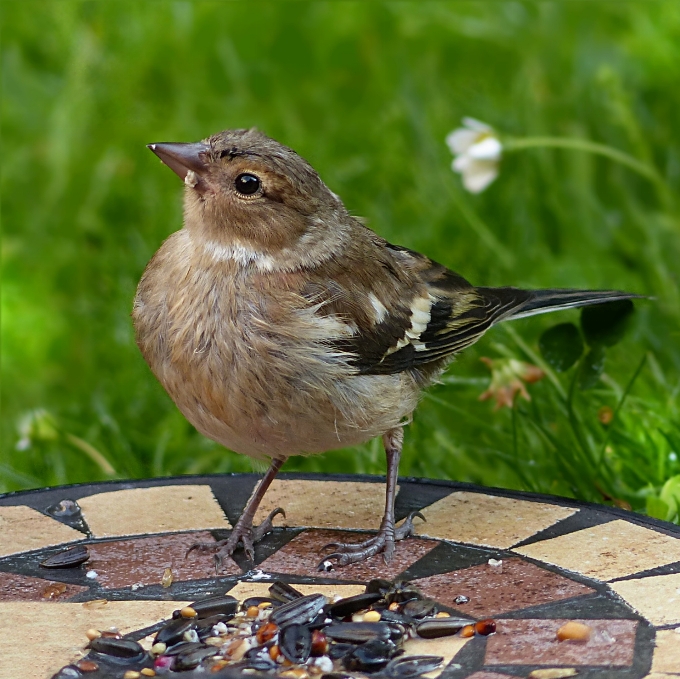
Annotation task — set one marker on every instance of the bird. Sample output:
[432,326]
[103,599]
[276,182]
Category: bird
[280,324]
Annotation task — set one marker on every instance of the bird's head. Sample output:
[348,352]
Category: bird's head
[248,196]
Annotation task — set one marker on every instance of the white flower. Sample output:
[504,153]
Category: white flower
[477,153]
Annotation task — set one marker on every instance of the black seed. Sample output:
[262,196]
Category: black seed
[204,625]
[401,592]
[420,608]
[300,611]
[259,663]
[370,657]
[183,647]
[118,648]
[358,632]
[69,558]
[412,666]
[461,599]
[174,630]
[441,627]
[397,631]
[394,617]
[353,604]
[225,605]
[379,585]
[68,672]
[295,642]
[337,651]
[283,592]
[189,659]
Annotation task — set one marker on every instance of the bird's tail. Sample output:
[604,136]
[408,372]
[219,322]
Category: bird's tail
[514,303]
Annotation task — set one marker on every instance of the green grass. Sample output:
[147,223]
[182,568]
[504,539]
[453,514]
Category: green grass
[366,91]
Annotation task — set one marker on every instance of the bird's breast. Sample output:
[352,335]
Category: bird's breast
[254,370]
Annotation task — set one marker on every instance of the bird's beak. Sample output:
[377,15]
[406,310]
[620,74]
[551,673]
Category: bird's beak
[187,161]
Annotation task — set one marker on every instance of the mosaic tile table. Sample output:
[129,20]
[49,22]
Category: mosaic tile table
[561,560]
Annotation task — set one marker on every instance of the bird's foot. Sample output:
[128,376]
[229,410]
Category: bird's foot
[353,552]
[243,533]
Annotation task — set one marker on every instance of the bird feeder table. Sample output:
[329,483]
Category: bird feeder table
[529,562]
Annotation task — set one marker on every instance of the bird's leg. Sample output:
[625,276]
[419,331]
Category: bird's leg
[346,553]
[243,531]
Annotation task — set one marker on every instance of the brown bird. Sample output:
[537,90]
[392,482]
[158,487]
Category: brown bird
[280,325]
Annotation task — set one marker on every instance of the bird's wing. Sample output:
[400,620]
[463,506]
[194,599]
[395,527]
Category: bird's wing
[413,313]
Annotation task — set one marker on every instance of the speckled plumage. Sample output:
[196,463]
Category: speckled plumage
[281,325]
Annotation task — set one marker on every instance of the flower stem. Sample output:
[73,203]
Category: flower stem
[91,452]
[643,169]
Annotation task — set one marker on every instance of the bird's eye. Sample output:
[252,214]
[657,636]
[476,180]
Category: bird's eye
[247,184]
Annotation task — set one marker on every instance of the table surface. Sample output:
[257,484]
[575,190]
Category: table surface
[561,560]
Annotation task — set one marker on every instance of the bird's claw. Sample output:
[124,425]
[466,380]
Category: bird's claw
[267,525]
[407,529]
[347,553]
[243,534]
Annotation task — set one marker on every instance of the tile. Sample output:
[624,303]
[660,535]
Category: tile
[61,628]
[534,642]
[446,647]
[325,504]
[488,675]
[24,529]
[142,561]
[519,585]
[243,590]
[160,509]
[15,587]
[489,520]
[611,550]
[667,652]
[656,598]
[302,554]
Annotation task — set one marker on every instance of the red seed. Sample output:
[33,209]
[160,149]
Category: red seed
[319,644]
[485,627]
[85,665]
[266,633]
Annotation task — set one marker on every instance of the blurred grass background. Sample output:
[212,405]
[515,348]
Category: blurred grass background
[366,91]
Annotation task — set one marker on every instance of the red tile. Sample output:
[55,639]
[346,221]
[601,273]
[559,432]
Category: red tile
[301,556]
[520,584]
[14,587]
[123,563]
[534,642]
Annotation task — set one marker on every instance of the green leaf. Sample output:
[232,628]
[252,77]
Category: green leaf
[561,346]
[606,324]
[670,495]
[591,368]
[656,508]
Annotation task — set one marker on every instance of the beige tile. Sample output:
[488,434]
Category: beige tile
[488,520]
[60,630]
[657,598]
[243,590]
[611,550]
[325,504]
[23,529]
[160,509]
[667,652]
[660,675]
[446,647]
